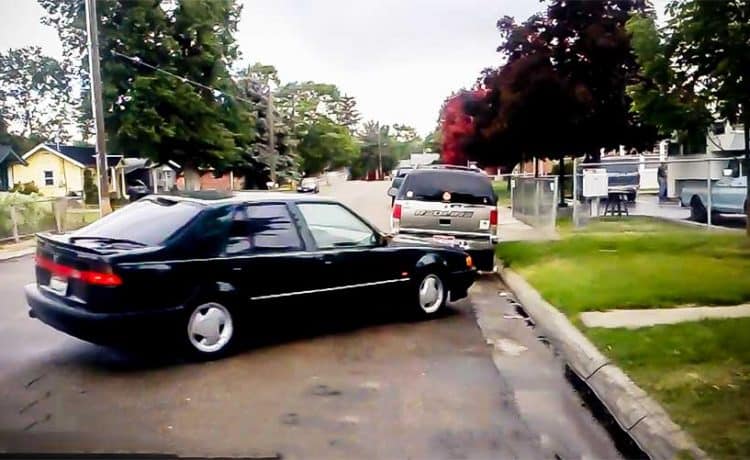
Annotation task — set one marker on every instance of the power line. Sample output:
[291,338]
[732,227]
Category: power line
[138,61]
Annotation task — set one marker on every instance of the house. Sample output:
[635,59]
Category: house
[58,170]
[8,157]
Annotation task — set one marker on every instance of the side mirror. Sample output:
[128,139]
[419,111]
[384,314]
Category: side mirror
[392,191]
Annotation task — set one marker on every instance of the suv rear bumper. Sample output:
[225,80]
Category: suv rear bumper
[468,241]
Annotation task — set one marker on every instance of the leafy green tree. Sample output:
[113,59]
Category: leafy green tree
[345,112]
[259,83]
[433,141]
[327,145]
[34,93]
[660,96]
[708,47]
[151,113]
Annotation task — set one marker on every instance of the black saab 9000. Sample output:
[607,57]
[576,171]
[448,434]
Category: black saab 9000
[193,270]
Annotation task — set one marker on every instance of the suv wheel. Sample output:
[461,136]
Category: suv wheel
[210,331]
[431,295]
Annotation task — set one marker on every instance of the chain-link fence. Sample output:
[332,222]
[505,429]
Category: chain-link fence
[534,200]
[24,215]
[703,189]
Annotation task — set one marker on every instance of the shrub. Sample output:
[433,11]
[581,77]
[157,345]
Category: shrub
[27,188]
[90,190]
[31,214]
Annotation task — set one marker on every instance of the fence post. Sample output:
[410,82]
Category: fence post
[537,199]
[14,223]
[512,185]
[708,194]
[556,196]
[59,209]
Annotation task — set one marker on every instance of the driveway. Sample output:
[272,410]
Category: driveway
[317,382]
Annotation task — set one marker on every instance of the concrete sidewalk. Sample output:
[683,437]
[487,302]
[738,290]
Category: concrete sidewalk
[512,229]
[13,250]
[633,319]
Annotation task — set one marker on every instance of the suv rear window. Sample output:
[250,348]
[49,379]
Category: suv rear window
[150,222]
[464,187]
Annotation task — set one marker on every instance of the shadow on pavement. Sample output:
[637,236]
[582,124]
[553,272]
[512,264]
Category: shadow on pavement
[288,323]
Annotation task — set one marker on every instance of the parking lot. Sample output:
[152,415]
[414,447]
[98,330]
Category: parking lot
[358,381]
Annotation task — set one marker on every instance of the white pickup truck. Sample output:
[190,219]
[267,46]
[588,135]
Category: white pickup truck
[728,196]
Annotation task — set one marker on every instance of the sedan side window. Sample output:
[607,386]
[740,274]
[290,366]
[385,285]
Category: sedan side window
[334,226]
[262,228]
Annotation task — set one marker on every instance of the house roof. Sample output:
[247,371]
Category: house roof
[8,154]
[84,157]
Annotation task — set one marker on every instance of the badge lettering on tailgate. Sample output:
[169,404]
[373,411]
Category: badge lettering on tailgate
[439,213]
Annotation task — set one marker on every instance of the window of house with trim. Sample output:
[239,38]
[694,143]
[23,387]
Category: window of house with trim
[49,178]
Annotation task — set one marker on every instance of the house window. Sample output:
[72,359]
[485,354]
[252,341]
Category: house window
[49,178]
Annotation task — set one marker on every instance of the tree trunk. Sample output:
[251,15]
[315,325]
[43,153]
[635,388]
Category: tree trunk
[192,178]
[746,129]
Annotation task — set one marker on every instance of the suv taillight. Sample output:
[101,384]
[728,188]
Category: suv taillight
[396,218]
[493,221]
[397,211]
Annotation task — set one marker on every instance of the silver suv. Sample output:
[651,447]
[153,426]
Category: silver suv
[456,207]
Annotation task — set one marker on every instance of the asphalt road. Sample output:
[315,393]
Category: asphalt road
[319,383]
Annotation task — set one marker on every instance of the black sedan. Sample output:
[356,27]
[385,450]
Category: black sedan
[188,271]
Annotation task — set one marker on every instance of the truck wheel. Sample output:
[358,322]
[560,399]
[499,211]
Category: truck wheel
[631,197]
[698,210]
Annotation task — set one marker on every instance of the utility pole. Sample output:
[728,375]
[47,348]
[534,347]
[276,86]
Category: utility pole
[380,155]
[97,106]
[271,139]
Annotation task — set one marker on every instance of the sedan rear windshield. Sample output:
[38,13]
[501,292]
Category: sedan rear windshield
[463,187]
[150,222]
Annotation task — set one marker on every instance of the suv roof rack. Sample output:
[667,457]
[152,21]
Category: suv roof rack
[456,167]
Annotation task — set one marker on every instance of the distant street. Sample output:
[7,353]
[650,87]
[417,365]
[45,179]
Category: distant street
[316,384]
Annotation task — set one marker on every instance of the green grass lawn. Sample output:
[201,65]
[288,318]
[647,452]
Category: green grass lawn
[699,372]
[634,263]
[502,191]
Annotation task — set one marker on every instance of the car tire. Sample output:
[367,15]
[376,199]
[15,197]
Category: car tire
[430,294]
[698,211]
[209,330]
[631,197]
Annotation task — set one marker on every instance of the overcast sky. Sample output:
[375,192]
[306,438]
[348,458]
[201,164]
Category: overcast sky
[399,58]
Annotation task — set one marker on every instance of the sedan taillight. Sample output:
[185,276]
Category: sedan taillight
[99,278]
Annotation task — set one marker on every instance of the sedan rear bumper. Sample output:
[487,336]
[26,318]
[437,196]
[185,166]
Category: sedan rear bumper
[101,328]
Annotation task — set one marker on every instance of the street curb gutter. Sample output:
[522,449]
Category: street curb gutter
[7,255]
[639,415]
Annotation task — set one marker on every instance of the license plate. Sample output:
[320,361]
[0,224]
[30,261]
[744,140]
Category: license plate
[444,239]
[59,285]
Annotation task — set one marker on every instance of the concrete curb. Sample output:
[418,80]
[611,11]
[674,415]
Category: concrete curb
[8,255]
[637,413]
